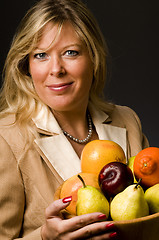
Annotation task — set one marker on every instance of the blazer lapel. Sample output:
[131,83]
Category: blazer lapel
[116,134]
[106,131]
[55,148]
[59,152]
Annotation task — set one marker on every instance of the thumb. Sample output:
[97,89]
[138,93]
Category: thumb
[54,208]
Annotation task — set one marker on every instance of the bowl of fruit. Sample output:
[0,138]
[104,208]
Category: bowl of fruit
[129,189]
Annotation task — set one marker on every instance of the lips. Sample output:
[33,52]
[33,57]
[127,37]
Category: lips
[59,86]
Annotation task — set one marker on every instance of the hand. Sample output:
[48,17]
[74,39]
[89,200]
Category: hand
[88,226]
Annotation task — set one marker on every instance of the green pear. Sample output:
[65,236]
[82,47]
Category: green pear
[152,198]
[130,164]
[129,204]
[91,200]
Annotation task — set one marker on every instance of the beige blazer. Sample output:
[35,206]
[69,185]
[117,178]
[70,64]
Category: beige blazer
[30,177]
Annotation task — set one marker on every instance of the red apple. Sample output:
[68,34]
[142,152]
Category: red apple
[114,177]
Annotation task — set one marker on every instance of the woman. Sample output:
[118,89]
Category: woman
[51,106]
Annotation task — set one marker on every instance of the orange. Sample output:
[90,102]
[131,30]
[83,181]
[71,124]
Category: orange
[146,166]
[97,153]
[71,186]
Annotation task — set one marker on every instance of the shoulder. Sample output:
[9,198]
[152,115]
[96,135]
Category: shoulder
[123,110]
[10,132]
[124,116]
[7,120]
[8,126]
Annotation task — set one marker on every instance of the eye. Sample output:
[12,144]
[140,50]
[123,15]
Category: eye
[41,56]
[71,53]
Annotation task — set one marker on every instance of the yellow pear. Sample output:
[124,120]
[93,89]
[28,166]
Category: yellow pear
[152,198]
[129,204]
[91,200]
[130,164]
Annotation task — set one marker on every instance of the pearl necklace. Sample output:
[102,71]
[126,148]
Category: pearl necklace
[88,136]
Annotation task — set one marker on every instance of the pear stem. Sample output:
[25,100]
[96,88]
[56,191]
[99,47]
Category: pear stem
[138,183]
[84,185]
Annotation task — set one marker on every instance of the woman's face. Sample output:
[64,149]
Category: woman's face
[63,74]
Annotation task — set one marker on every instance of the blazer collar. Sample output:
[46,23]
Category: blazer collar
[46,122]
[106,131]
[57,150]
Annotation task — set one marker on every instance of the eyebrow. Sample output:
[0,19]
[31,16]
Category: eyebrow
[65,47]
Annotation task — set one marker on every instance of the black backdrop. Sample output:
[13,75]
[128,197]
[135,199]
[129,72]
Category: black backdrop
[132,32]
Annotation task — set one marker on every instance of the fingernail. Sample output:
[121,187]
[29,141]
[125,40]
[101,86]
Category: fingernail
[110,226]
[67,199]
[102,216]
[113,235]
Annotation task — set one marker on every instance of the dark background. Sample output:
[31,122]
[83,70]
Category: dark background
[131,29]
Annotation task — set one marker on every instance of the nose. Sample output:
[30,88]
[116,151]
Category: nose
[56,67]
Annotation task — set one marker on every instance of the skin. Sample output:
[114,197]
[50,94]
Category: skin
[62,73]
[88,226]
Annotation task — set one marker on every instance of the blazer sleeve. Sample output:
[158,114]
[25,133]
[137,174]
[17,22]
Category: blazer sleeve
[12,197]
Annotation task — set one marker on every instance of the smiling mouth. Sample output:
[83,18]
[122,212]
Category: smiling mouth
[60,86]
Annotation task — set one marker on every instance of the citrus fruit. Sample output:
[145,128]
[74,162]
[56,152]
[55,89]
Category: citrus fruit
[146,166]
[97,153]
[71,186]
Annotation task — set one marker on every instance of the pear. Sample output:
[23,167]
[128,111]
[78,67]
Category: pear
[129,204]
[152,198]
[91,200]
[130,165]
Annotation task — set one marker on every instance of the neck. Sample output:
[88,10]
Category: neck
[76,124]
[86,139]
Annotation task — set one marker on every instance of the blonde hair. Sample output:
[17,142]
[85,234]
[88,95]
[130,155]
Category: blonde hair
[18,94]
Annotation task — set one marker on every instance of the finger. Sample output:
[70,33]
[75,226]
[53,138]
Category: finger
[111,235]
[78,222]
[93,231]
[54,208]
[88,225]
